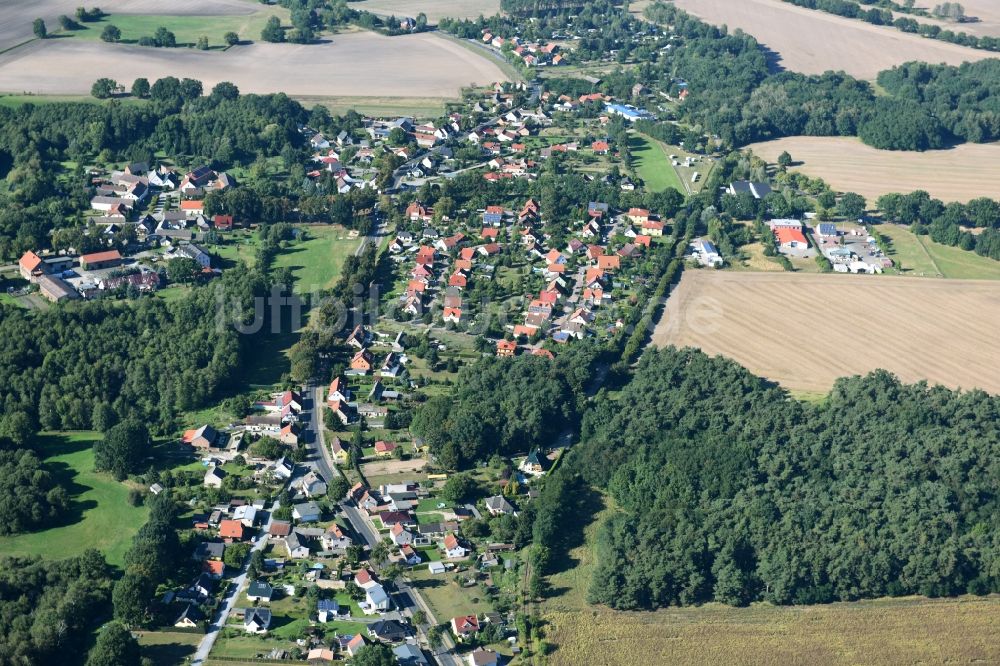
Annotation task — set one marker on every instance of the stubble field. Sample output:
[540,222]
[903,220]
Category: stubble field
[813,42]
[887,631]
[957,174]
[434,9]
[358,63]
[804,331]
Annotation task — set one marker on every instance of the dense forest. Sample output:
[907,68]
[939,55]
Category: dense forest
[730,491]
[90,365]
[504,406]
[48,608]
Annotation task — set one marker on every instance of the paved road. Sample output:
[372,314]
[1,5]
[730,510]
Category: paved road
[233,593]
[407,599]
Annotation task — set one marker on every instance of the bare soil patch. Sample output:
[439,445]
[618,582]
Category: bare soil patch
[813,42]
[957,174]
[16,16]
[805,331]
[386,467]
[357,63]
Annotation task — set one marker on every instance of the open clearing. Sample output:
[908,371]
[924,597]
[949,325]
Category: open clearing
[99,517]
[434,9]
[16,16]
[957,174]
[813,42]
[316,262]
[804,331]
[653,164]
[422,65]
[922,256]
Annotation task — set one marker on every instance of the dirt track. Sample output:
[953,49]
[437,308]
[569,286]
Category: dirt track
[361,63]
[804,331]
[813,42]
[958,174]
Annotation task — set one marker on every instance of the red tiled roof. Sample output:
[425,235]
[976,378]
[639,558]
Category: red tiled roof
[110,255]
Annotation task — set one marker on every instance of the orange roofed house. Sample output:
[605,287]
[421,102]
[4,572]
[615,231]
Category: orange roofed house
[30,265]
[363,361]
[506,348]
[231,530]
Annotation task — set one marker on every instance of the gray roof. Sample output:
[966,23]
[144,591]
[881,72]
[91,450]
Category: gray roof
[259,588]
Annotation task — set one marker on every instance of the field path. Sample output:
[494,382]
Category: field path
[806,330]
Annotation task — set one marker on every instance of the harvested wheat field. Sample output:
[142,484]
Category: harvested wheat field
[358,63]
[813,42]
[804,331]
[16,16]
[957,174]
[889,631]
[434,9]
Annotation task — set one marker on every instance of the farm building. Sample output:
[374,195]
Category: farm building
[758,190]
[99,260]
[789,237]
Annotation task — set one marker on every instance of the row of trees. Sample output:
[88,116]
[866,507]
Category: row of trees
[952,11]
[152,558]
[729,491]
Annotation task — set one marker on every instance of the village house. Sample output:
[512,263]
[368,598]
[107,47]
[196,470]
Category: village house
[506,348]
[260,592]
[257,620]
[306,512]
[202,438]
[213,477]
[464,626]
[452,548]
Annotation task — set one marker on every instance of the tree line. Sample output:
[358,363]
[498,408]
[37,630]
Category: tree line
[881,16]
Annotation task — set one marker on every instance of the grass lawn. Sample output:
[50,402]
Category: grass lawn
[174,292]
[418,107]
[186,29]
[100,515]
[652,164]
[922,257]
[166,648]
[316,262]
[446,597]
[238,246]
